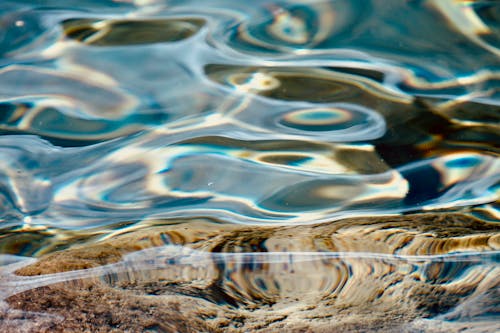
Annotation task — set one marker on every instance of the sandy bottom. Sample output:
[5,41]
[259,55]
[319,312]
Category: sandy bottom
[416,273]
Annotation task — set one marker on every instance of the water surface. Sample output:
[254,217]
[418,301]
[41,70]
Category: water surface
[253,159]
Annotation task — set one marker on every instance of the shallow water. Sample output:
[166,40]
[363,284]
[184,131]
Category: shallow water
[333,160]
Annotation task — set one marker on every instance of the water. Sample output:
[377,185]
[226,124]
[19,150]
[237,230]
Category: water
[249,166]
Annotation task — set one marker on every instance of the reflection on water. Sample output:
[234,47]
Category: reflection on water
[280,165]
[115,33]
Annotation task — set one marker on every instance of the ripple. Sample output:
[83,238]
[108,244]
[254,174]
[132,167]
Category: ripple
[103,32]
[299,83]
[79,97]
[331,119]
[289,27]
[201,176]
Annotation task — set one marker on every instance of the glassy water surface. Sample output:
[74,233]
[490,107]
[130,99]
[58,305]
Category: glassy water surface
[249,166]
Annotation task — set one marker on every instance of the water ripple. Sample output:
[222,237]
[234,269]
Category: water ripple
[311,140]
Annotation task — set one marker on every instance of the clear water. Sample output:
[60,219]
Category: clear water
[123,118]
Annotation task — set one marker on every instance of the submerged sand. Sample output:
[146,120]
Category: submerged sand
[225,291]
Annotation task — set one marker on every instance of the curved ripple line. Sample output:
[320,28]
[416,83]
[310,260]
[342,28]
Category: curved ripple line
[170,256]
